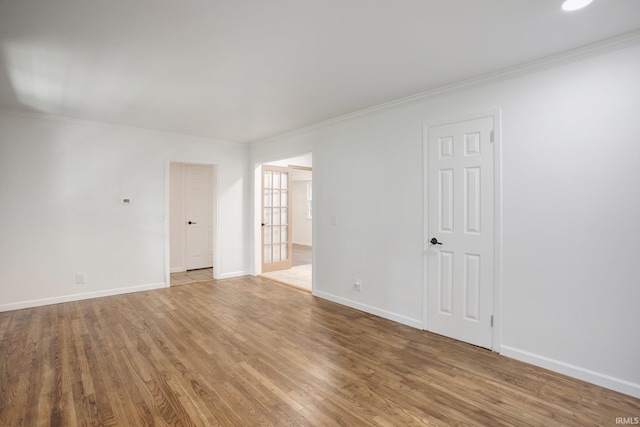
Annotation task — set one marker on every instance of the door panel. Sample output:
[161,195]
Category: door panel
[199,215]
[276,218]
[460,217]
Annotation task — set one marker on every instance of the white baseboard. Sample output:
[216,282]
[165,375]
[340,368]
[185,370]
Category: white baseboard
[78,297]
[177,270]
[303,244]
[415,323]
[597,378]
[233,274]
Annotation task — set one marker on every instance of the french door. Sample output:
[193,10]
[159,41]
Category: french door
[276,218]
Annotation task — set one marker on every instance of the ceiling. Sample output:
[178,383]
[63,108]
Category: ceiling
[244,70]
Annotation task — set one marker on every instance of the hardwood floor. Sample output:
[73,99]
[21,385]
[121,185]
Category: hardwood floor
[247,351]
[302,255]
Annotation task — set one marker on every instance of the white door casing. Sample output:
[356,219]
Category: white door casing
[199,216]
[461,219]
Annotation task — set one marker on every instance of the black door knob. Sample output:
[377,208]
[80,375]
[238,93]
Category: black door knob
[434,241]
[191,222]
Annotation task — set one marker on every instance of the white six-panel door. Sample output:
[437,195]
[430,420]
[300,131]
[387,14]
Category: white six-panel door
[199,216]
[460,239]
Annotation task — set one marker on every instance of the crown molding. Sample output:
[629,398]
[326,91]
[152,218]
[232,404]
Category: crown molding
[602,47]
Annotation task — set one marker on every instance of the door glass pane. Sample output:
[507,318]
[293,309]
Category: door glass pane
[276,180]
[267,197]
[276,234]
[267,234]
[283,253]
[284,218]
[276,197]
[285,180]
[276,216]
[284,234]
[267,179]
[267,216]
[276,253]
[284,196]
[267,254]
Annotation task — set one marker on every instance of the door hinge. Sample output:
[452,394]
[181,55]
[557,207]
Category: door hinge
[491,136]
[492,320]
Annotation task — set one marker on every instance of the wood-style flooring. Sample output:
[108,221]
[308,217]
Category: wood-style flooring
[191,276]
[300,275]
[251,352]
[302,255]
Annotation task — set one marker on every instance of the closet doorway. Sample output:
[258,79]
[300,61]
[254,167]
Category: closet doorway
[192,201]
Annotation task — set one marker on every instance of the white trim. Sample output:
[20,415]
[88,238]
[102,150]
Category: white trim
[495,114]
[414,323]
[79,297]
[497,227]
[178,270]
[256,230]
[602,47]
[425,225]
[597,378]
[231,275]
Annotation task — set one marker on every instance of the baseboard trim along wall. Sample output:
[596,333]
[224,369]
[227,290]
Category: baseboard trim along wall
[603,380]
[233,274]
[415,323]
[79,297]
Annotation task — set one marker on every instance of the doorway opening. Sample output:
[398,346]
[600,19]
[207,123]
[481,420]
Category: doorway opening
[192,206]
[285,240]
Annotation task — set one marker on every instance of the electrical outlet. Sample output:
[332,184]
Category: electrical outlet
[81,278]
[357,285]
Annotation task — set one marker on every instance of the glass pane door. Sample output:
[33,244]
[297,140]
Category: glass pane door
[276,218]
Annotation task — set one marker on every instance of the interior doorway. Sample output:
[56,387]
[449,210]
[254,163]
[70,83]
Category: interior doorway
[192,201]
[297,238]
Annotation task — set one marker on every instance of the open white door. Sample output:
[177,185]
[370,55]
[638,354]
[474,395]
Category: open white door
[460,239]
[199,216]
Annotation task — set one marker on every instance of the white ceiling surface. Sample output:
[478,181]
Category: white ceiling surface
[245,70]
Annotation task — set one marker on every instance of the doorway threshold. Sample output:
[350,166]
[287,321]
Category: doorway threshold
[298,277]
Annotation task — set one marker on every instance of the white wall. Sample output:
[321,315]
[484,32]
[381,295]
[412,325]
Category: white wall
[302,231]
[177,229]
[570,289]
[60,187]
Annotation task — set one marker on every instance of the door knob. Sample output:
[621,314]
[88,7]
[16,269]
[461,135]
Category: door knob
[190,222]
[434,241]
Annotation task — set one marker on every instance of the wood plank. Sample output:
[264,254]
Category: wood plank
[247,351]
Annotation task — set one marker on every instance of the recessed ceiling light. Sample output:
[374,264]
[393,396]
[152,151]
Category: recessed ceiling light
[570,5]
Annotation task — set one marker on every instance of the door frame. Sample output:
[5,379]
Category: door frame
[167,210]
[256,254]
[497,188]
